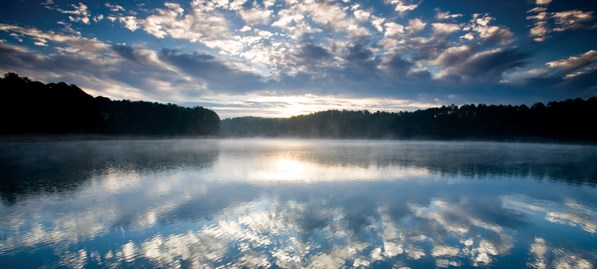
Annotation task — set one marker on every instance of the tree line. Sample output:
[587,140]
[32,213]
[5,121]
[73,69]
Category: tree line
[572,119]
[32,107]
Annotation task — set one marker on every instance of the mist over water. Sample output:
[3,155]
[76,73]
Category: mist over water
[297,203]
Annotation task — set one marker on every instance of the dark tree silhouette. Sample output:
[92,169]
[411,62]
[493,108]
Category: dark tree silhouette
[35,108]
[567,120]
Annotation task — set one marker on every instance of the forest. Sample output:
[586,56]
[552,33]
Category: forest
[32,107]
[564,120]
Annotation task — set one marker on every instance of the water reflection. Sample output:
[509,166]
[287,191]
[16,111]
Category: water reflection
[295,204]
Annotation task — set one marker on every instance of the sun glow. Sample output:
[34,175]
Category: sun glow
[281,106]
[298,167]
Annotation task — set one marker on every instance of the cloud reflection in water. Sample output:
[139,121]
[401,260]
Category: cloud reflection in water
[305,204]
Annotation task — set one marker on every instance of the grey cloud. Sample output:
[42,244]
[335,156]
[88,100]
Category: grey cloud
[398,66]
[123,67]
[310,53]
[126,52]
[489,66]
[360,63]
[358,54]
[453,56]
[218,75]
[499,36]
[582,85]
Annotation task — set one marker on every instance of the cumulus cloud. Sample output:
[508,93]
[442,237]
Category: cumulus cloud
[129,22]
[545,22]
[578,67]
[255,16]
[416,25]
[445,15]
[574,62]
[306,46]
[453,56]
[402,6]
[440,28]
[393,29]
[571,20]
[219,75]
[196,26]
[79,13]
[312,54]
[483,66]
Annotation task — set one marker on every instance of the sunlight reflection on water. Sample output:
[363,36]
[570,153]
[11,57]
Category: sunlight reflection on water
[297,203]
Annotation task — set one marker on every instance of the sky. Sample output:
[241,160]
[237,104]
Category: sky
[277,58]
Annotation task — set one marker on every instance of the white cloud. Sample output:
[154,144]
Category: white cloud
[480,24]
[444,251]
[362,15]
[255,16]
[393,29]
[377,23]
[330,15]
[444,28]
[49,4]
[536,71]
[540,29]
[445,15]
[98,18]
[453,56]
[568,20]
[402,6]
[468,36]
[574,62]
[43,37]
[571,20]
[79,13]
[198,25]
[174,7]
[129,22]
[416,25]
[114,7]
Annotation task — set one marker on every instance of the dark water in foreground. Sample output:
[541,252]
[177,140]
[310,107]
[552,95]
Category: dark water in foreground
[297,203]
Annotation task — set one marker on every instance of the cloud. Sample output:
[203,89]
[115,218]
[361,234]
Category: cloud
[483,66]
[256,16]
[307,47]
[129,22]
[416,25]
[219,75]
[574,62]
[199,25]
[393,29]
[453,56]
[312,54]
[118,71]
[571,20]
[79,13]
[402,6]
[543,2]
[481,26]
[545,22]
[440,28]
[397,67]
[114,7]
[445,15]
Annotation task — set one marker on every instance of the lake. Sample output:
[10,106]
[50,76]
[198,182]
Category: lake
[288,203]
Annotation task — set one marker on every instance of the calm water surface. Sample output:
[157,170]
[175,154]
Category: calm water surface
[297,203]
